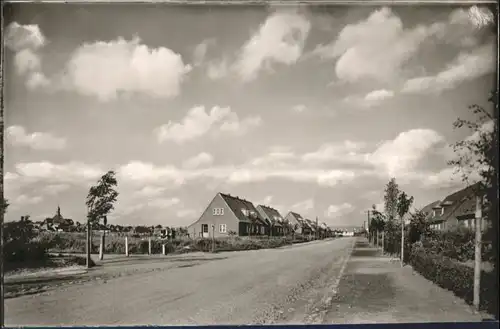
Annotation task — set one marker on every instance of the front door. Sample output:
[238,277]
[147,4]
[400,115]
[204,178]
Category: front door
[204,230]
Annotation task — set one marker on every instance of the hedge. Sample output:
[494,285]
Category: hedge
[458,278]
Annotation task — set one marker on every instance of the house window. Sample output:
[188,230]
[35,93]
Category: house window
[262,230]
[442,211]
[245,212]
[434,213]
[222,228]
[218,211]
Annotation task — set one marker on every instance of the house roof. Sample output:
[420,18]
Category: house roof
[428,208]
[458,204]
[237,204]
[301,221]
[311,224]
[270,214]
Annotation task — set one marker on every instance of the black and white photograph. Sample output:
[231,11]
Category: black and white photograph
[249,164]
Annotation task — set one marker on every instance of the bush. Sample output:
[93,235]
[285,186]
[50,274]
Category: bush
[19,242]
[458,278]
[457,244]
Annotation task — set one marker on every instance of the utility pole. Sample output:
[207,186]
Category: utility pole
[477,254]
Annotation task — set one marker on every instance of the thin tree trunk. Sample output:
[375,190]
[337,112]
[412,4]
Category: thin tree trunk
[477,255]
[402,241]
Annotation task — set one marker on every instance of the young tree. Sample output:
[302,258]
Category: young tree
[403,206]
[100,202]
[418,226]
[391,199]
[476,159]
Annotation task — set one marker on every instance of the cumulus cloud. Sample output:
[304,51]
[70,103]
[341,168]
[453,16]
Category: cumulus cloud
[106,69]
[140,172]
[26,61]
[335,211]
[17,136]
[317,176]
[202,159]
[379,95]
[37,80]
[72,172]
[26,41]
[195,124]
[280,39]
[198,122]
[20,37]
[347,151]
[400,156]
[468,65]
[378,47]
[375,48]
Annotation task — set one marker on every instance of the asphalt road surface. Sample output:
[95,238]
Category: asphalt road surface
[285,285]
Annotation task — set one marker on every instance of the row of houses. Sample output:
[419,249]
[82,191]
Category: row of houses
[455,210]
[229,215]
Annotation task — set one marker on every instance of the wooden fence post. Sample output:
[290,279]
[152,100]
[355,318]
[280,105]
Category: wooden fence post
[149,246]
[126,246]
[163,249]
[477,255]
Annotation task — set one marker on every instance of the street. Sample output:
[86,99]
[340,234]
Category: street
[332,281]
[262,286]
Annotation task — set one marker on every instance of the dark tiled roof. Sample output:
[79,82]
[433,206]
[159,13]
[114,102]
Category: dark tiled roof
[463,193]
[297,216]
[466,209]
[459,203]
[270,214]
[237,204]
[311,224]
[428,208]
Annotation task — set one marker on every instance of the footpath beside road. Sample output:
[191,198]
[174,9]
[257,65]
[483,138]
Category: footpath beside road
[376,289]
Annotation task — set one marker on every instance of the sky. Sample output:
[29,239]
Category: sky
[304,108]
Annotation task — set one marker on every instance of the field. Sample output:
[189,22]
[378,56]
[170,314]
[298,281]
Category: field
[115,244]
